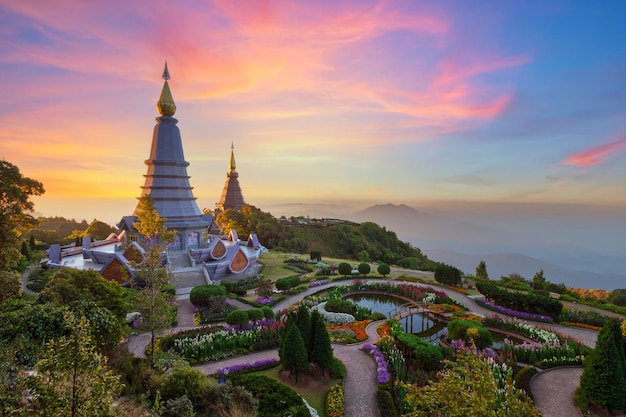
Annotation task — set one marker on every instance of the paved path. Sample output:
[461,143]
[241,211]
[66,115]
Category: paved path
[553,391]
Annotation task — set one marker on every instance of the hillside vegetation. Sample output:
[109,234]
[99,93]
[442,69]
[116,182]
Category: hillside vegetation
[365,242]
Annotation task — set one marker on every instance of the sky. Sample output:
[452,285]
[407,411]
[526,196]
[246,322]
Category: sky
[346,103]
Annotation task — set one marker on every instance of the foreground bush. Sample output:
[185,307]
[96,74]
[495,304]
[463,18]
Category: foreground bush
[275,399]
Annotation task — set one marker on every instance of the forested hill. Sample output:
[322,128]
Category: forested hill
[338,239]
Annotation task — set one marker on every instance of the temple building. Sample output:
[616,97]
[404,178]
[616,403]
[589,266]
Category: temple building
[232,197]
[202,257]
[167,182]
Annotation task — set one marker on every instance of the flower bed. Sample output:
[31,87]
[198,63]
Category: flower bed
[382,367]
[334,402]
[582,325]
[513,313]
[555,361]
[444,308]
[318,283]
[264,300]
[547,343]
[217,343]
[357,328]
[246,367]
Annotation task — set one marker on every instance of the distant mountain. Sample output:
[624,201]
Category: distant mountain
[430,230]
[513,245]
[499,264]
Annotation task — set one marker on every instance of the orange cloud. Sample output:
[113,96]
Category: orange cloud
[595,155]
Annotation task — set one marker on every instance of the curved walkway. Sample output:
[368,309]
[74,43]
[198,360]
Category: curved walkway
[553,391]
[553,397]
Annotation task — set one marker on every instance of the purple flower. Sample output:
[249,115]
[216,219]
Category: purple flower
[381,363]
[519,314]
[262,363]
[264,300]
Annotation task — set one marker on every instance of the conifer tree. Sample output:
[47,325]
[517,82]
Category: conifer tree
[603,381]
[303,321]
[481,270]
[293,352]
[322,353]
[31,243]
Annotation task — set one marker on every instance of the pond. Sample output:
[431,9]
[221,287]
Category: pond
[417,324]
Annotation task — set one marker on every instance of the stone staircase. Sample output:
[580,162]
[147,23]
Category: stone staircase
[185,276]
[179,260]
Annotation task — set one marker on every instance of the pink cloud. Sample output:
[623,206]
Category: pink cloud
[595,155]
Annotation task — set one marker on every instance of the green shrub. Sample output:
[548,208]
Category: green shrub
[519,301]
[255,314]
[377,316]
[383,269]
[168,289]
[204,295]
[344,269]
[285,284]
[268,313]
[386,407]
[340,306]
[184,380]
[364,268]
[275,399]
[35,285]
[227,284]
[237,318]
[460,329]
[337,369]
[447,274]
[515,285]
[427,356]
[523,377]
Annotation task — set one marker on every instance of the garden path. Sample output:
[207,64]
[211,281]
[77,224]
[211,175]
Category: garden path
[553,391]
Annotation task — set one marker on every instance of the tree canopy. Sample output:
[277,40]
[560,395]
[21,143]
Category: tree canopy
[15,208]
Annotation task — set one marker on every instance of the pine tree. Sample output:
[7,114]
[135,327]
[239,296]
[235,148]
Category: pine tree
[31,243]
[303,321]
[481,270]
[603,381]
[322,353]
[24,250]
[293,352]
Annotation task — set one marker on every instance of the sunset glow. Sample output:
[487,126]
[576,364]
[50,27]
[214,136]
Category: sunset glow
[327,101]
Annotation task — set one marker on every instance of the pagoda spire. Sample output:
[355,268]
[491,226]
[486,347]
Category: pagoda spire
[232,166]
[166,105]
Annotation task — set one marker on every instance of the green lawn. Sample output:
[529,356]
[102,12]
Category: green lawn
[274,265]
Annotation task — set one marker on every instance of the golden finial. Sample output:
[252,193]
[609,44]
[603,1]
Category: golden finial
[166,105]
[232,166]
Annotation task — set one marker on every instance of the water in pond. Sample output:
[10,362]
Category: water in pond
[416,323]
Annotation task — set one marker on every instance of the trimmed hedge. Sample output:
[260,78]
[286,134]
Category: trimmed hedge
[529,303]
[203,295]
[426,355]
[285,284]
[340,306]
